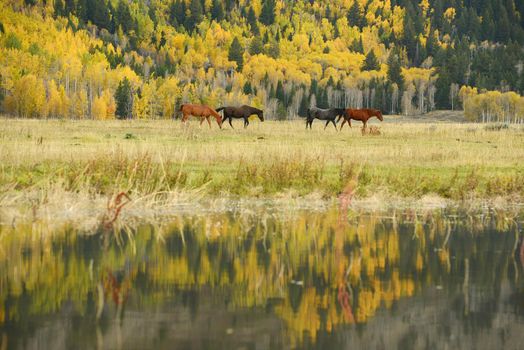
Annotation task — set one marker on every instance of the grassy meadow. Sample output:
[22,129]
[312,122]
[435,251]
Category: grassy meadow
[42,160]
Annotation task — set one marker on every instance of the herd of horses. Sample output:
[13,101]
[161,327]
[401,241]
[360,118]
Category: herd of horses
[244,112]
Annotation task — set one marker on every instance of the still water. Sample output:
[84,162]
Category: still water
[438,279]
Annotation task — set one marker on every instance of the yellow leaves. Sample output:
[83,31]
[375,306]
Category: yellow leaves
[27,98]
[491,106]
[450,14]
[57,102]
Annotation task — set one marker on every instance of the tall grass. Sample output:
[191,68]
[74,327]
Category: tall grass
[157,161]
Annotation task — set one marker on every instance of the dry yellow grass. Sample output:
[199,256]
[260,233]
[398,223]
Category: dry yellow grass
[450,160]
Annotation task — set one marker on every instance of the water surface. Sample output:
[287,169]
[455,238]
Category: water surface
[268,280]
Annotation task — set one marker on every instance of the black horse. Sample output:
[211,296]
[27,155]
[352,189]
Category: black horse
[329,115]
[241,112]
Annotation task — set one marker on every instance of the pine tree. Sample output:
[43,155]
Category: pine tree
[247,88]
[257,47]
[98,13]
[252,20]
[217,11]
[357,46]
[123,16]
[371,62]
[124,100]
[304,106]
[59,7]
[267,16]
[236,53]
[280,95]
[274,49]
[395,70]
[355,17]
[177,13]
[69,7]
[81,10]
[196,15]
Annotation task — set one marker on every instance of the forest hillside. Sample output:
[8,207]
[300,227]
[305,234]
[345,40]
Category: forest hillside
[101,59]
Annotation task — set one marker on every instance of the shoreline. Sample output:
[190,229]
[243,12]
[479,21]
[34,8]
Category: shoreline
[87,215]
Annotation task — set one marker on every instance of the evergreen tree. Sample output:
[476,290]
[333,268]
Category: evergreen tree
[267,16]
[59,7]
[177,13]
[247,88]
[357,46]
[196,15]
[280,95]
[274,50]
[395,70]
[69,7]
[236,53]
[252,20]
[98,13]
[81,10]
[123,16]
[217,11]
[124,100]
[355,17]
[371,62]
[257,47]
[304,106]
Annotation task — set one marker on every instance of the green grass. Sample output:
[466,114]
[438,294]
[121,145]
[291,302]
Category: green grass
[453,161]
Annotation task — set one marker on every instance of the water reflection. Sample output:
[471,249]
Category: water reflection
[265,280]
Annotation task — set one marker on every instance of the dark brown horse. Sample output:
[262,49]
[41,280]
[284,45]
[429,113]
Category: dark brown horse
[360,114]
[329,115]
[200,111]
[243,112]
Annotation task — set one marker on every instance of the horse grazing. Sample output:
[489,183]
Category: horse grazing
[241,112]
[360,114]
[329,115]
[200,111]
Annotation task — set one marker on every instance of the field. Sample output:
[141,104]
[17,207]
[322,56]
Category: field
[43,161]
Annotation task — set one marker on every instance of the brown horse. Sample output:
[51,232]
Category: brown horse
[200,111]
[360,114]
[243,112]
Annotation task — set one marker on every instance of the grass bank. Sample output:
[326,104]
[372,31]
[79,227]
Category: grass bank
[158,159]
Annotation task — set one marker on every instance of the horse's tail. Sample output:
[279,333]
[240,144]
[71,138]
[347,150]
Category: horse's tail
[181,107]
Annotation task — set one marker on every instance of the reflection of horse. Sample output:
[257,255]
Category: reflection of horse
[324,114]
[200,111]
[241,112]
[360,114]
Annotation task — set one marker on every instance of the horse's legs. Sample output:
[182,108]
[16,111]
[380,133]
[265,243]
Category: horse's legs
[201,121]
[326,124]
[207,118]
[246,123]
[334,124]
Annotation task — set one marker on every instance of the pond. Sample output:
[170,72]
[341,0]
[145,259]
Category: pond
[268,279]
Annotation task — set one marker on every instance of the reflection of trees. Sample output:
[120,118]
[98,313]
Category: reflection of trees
[316,271]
